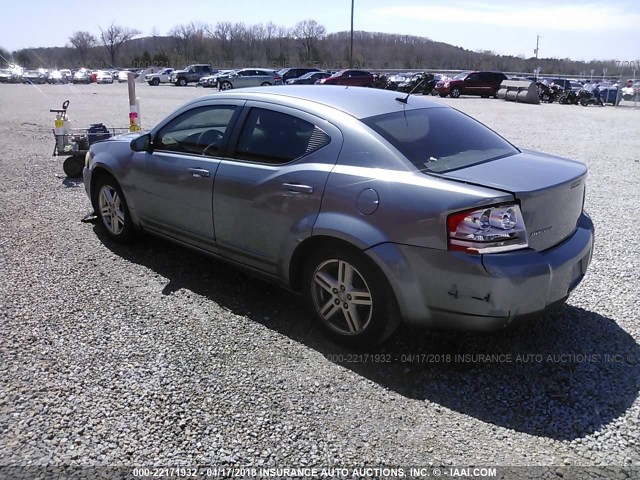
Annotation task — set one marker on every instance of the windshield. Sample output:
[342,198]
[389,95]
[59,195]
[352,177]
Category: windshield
[440,139]
[461,76]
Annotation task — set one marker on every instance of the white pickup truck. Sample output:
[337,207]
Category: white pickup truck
[163,76]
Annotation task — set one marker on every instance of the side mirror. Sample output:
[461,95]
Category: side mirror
[142,143]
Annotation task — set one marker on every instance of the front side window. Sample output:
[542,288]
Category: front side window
[440,139]
[278,138]
[199,131]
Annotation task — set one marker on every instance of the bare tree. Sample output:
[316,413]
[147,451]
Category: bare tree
[155,35]
[270,32]
[83,42]
[282,34]
[181,35]
[198,38]
[113,37]
[308,33]
[221,32]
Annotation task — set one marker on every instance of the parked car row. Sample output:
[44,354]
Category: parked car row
[64,75]
[478,83]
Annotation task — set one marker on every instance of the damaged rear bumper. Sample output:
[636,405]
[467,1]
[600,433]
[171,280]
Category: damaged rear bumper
[447,289]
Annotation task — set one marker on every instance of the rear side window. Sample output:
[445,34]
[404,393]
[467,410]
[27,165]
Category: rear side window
[278,138]
[440,139]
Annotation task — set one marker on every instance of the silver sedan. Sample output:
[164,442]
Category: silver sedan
[377,208]
[249,77]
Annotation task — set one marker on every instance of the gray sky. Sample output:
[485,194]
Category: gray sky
[582,30]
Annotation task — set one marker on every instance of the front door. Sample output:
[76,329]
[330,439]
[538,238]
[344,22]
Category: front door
[172,186]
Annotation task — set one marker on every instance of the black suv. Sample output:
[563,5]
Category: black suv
[192,73]
[484,84]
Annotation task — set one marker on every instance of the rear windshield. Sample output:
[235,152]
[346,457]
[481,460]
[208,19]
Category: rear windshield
[440,139]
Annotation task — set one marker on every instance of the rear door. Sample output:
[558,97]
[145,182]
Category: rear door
[263,76]
[267,195]
[245,78]
[172,186]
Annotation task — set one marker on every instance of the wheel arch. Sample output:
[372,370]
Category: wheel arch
[304,249]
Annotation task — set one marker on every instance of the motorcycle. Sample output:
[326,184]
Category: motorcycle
[548,93]
[380,81]
[588,97]
[423,83]
[568,97]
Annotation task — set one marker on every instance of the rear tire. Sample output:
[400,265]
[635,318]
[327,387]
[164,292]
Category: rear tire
[349,297]
[265,84]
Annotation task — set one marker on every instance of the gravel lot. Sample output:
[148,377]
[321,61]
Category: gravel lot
[153,355]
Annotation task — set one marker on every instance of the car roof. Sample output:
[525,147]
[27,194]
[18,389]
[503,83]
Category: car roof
[359,102]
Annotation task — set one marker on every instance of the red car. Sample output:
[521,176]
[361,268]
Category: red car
[484,84]
[353,78]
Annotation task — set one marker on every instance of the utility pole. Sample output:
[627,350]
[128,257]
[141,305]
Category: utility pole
[351,51]
[537,46]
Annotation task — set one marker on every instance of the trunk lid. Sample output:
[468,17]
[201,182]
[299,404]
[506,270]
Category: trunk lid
[550,190]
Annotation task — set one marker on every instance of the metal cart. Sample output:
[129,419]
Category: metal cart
[74,143]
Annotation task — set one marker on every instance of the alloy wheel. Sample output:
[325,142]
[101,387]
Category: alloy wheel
[111,210]
[342,297]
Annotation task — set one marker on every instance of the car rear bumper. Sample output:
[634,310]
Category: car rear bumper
[454,290]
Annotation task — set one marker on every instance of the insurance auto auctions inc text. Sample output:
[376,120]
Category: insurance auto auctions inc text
[364,472]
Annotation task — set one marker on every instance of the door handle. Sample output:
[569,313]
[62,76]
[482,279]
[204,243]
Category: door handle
[199,172]
[298,188]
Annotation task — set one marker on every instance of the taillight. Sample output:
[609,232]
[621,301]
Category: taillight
[277,79]
[493,229]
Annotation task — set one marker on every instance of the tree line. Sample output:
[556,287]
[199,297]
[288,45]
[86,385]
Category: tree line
[235,45]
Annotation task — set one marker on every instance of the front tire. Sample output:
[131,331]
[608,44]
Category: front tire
[155,82]
[226,86]
[455,93]
[112,210]
[349,298]
[182,82]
